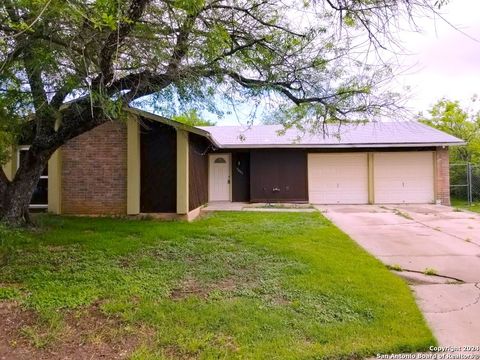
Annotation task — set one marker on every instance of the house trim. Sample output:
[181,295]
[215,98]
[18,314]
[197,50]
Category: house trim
[435,177]
[55,183]
[10,167]
[182,172]
[175,124]
[133,165]
[371,177]
[334,146]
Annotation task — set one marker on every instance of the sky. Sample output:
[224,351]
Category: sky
[440,60]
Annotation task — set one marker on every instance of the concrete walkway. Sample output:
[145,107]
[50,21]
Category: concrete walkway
[243,206]
[420,237]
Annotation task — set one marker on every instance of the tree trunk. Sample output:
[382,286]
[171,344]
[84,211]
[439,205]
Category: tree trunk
[16,198]
[15,195]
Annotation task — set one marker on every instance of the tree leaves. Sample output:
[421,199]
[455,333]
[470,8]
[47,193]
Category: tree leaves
[202,52]
[449,116]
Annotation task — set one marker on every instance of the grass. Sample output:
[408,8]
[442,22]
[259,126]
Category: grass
[234,285]
[395,267]
[430,272]
[402,214]
[462,204]
[280,206]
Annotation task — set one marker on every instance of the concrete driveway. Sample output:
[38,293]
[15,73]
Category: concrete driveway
[420,237]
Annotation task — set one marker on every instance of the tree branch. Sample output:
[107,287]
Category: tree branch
[35,81]
[181,46]
[249,13]
[115,39]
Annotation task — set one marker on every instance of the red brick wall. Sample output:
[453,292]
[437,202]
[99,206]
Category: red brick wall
[94,171]
[443,176]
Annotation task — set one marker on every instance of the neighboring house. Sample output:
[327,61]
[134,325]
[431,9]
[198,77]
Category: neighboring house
[155,165]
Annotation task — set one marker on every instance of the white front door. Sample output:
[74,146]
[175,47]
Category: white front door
[340,178]
[219,177]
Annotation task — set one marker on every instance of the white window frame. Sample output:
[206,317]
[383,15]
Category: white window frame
[25,148]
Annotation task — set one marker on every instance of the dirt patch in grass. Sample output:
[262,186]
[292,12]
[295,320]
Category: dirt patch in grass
[192,287]
[188,287]
[85,334]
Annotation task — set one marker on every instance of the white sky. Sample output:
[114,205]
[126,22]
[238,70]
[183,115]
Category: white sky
[444,62]
[439,61]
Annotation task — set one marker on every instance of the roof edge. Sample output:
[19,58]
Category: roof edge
[440,131]
[338,146]
[173,123]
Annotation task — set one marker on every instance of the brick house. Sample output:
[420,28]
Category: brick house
[151,164]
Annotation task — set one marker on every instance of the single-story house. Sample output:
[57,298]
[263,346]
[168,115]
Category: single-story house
[155,165]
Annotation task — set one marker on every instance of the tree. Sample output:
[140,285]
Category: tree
[67,66]
[450,117]
[192,118]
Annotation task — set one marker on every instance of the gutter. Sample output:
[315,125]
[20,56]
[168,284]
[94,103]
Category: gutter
[337,146]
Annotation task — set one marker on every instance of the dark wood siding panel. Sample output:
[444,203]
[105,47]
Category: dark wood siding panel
[158,174]
[198,171]
[241,176]
[285,170]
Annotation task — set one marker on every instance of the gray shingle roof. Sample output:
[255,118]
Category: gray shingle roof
[373,134]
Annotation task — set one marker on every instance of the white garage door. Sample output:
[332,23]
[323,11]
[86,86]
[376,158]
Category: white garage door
[404,177]
[338,178]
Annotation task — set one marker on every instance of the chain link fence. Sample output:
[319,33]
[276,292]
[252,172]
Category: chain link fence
[465,182]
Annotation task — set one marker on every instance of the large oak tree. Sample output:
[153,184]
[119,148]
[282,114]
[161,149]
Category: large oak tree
[67,66]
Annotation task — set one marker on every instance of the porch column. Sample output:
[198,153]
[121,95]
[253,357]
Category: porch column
[182,172]
[371,186]
[133,166]
[55,182]
[442,175]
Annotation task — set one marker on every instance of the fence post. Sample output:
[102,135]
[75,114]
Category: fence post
[469,183]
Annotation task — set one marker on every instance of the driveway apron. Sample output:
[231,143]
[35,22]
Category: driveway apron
[425,239]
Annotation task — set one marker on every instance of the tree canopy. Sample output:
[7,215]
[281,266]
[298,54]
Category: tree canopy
[112,52]
[450,117]
[192,118]
[67,66]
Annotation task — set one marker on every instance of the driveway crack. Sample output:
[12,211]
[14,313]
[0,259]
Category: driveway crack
[477,300]
[434,275]
[397,211]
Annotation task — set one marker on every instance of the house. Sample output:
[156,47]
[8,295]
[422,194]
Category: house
[155,165]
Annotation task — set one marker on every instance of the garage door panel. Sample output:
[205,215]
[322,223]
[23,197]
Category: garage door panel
[403,177]
[338,178]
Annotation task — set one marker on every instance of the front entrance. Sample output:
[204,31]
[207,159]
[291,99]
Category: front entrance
[219,177]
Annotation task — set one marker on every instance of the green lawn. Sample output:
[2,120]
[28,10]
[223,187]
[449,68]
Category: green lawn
[462,204]
[243,285]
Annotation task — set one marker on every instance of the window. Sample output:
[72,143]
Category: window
[40,195]
[220,161]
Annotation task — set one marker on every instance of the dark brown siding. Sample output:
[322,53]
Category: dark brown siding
[241,176]
[285,170]
[158,174]
[198,171]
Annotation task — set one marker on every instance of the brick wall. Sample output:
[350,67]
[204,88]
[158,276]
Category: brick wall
[94,171]
[443,176]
